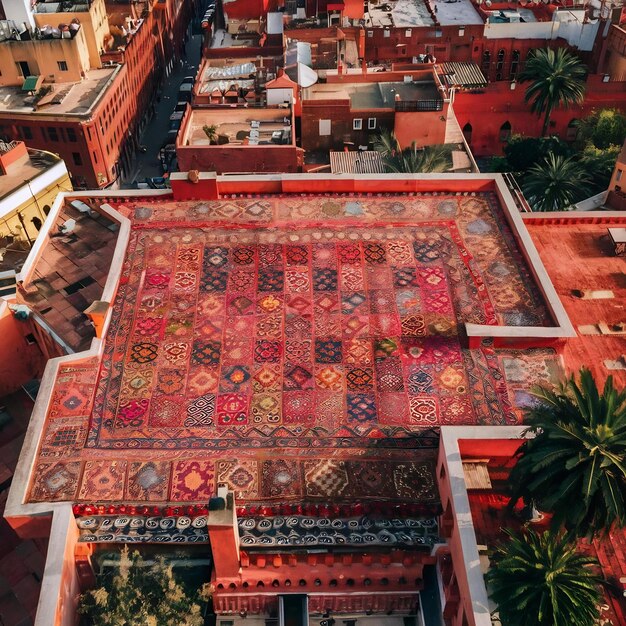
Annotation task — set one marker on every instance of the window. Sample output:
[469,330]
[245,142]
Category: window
[52,133]
[618,176]
[370,33]
[26,132]
[23,69]
[77,158]
[505,131]
[324,128]
[572,130]
[62,66]
[386,33]
[407,32]
[71,134]
[467,132]
[371,123]
[357,124]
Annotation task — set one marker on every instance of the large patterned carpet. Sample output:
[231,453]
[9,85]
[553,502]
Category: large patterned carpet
[294,348]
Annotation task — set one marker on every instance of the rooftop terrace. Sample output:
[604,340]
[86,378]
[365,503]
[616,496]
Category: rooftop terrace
[72,99]
[292,348]
[374,95]
[591,284]
[419,13]
[239,126]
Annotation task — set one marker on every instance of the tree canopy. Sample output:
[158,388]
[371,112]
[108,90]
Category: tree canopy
[602,129]
[555,183]
[142,593]
[540,579]
[557,78]
[575,465]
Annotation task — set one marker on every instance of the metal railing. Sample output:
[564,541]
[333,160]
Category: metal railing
[408,106]
[518,194]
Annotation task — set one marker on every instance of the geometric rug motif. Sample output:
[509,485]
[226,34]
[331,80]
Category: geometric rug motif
[261,328]
[192,481]
[148,481]
[103,480]
[55,481]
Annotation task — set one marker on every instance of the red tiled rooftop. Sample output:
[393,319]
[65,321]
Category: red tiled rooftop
[579,257]
[79,261]
[293,348]
[490,517]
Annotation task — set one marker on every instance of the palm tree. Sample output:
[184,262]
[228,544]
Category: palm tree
[555,183]
[386,143]
[540,579]
[410,160]
[575,466]
[557,78]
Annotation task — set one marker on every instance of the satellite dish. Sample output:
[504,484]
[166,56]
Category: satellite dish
[306,76]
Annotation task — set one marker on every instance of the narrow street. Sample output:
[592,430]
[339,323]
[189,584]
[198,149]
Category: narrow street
[147,164]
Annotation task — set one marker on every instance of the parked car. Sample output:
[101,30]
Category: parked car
[176,120]
[170,138]
[184,93]
[157,182]
[180,106]
[188,80]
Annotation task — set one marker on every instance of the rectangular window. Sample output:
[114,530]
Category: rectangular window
[52,133]
[357,124]
[22,68]
[370,33]
[324,128]
[77,158]
[71,134]
[386,33]
[95,157]
[618,177]
[27,132]
[371,123]
[62,66]
[407,32]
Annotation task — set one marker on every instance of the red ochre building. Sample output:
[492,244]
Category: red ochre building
[92,117]
[269,367]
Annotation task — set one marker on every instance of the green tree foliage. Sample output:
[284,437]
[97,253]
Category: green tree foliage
[540,579]
[603,129]
[598,165]
[142,594]
[557,78]
[414,160]
[555,183]
[411,160]
[522,153]
[386,143]
[575,466]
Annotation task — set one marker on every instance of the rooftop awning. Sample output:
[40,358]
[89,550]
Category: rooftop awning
[461,74]
[32,83]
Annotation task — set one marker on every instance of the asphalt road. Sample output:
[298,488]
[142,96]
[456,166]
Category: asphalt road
[148,164]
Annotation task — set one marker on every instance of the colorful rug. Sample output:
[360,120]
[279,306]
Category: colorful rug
[299,344]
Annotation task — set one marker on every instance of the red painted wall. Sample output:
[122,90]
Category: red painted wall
[222,159]
[488,109]
[19,362]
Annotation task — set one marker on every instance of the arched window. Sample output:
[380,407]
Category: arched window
[514,64]
[572,130]
[505,131]
[500,63]
[486,62]
[467,132]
